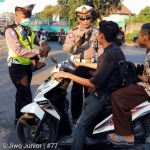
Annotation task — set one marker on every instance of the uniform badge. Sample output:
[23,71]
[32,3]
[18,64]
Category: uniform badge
[84,10]
[12,33]
[70,34]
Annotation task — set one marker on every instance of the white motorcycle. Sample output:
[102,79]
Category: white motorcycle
[46,120]
[62,39]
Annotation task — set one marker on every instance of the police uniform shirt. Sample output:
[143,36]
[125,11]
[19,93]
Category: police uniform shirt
[86,50]
[106,76]
[13,42]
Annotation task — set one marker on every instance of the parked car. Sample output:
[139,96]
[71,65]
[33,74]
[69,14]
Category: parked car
[135,40]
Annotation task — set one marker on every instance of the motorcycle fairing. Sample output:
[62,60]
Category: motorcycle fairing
[108,125]
[34,109]
[44,88]
[52,111]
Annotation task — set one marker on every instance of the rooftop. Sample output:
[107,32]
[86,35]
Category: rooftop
[124,11]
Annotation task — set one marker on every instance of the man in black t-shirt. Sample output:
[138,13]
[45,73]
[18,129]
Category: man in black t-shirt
[104,81]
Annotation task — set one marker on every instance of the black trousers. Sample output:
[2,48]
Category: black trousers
[77,92]
[21,76]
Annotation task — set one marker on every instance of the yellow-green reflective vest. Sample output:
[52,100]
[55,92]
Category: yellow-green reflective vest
[24,44]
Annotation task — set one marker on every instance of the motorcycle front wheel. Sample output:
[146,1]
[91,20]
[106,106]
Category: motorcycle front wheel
[26,129]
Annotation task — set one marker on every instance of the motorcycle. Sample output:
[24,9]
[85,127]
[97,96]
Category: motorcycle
[45,121]
[43,37]
[62,39]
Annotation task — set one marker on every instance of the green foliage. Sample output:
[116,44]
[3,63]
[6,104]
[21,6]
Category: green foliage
[49,10]
[129,36]
[142,17]
[66,9]
[97,22]
[37,15]
[100,8]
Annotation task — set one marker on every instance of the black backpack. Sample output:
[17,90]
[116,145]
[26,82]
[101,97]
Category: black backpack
[127,71]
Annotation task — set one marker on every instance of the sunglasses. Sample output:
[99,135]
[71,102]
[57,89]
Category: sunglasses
[82,19]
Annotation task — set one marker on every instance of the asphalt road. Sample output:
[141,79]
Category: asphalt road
[7,90]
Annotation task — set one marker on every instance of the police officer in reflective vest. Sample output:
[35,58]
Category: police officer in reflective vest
[20,41]
[81,41]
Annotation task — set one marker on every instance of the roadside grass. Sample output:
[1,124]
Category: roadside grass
[129,37]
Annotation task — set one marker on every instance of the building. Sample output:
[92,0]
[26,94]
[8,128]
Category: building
[119,16]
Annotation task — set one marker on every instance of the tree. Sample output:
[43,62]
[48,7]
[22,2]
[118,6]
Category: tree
[100,8]
[49,10]
[144,14]
[142,17]
[37,15]
[62,2]
[104,7]
[64,9]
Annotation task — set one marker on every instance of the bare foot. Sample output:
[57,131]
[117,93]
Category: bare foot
[129,138]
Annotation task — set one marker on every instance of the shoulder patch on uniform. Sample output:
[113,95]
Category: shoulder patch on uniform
[70,34]
[12,33]
[75,28]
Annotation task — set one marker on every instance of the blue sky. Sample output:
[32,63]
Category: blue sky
[8,6]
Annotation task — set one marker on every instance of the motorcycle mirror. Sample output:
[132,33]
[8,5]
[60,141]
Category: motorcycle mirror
[53,59]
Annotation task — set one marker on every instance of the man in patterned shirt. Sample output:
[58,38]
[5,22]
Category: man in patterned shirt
[127,98]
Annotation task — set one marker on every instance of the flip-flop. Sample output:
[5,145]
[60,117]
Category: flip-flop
[122,140]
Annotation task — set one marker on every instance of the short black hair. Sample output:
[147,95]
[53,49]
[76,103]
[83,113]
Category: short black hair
[110,30]
[145,29]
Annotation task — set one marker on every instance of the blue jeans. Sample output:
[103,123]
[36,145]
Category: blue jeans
[93,105]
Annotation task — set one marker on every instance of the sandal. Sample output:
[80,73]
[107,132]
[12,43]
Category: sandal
[122,140]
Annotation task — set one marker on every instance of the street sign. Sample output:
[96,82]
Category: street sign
[3,21]
[1,0]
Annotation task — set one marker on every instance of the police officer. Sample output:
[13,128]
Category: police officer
[20,41]
[81,42]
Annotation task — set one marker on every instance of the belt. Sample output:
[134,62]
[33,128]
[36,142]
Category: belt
[91,60]
[12,61]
